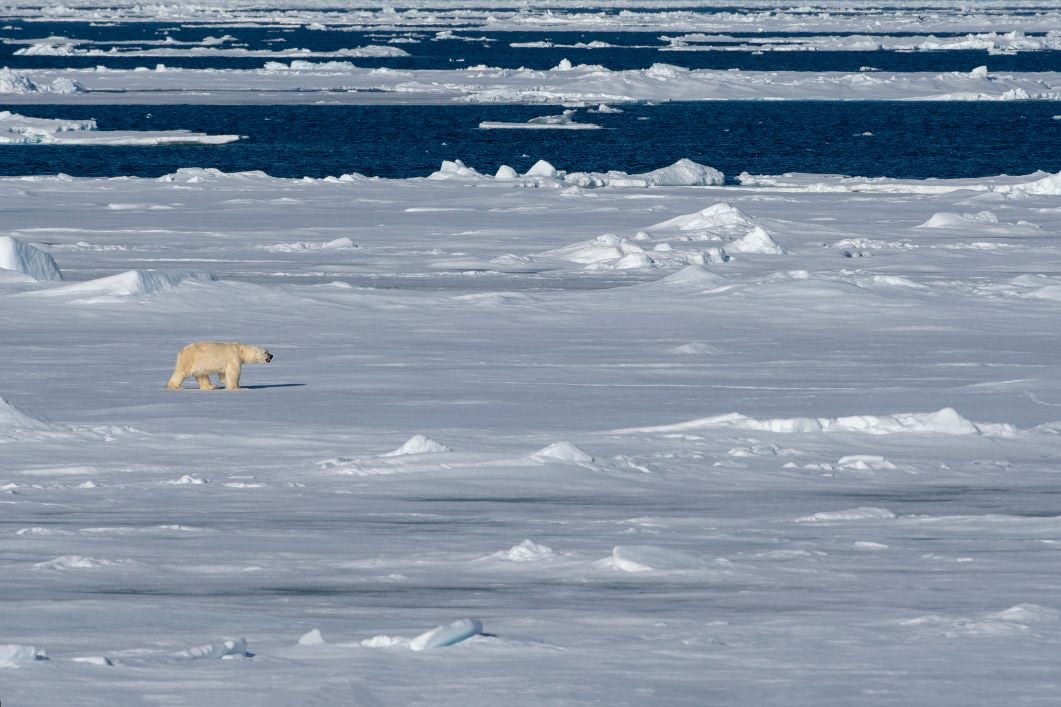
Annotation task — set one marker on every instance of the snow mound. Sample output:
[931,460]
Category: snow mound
[683,173]
[527,551]
[24,258]
[74,562]
[418,444]
[1027,613]
[384,641]
[716,221]
[311,638]
[455,170]
[447,635]
[11,654]
[649,558]
[757,240]
[506,172]
[131,284]
[13,420]
[215,651]
[605,249]
[948,219]
[860,513]
[188,480]
[865,462]
[944,422]
[562,451]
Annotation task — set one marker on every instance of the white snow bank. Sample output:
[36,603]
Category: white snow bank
[18,129]
[447,635]
[197,175]
[11,654]
[74,562]
[456,170]
[716,221]
[648,558]
[948,219]
[860,513]
[24,258]
[865,462]
[131,284]
[945,422]
[14,421]
[527,551]
[564,121]
[14,82]
[418,444]
[1037,183]
[215,651]
[562,451]
[683,173]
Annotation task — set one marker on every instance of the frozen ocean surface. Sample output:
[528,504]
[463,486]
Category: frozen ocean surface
[553,417]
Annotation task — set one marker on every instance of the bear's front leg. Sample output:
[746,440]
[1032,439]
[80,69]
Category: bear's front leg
[205,383]
[231,375]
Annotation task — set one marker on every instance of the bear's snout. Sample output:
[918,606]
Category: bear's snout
[268,357]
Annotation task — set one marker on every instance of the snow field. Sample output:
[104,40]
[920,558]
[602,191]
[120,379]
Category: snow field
[832,470]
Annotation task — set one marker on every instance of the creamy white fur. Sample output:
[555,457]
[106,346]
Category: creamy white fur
[201,359]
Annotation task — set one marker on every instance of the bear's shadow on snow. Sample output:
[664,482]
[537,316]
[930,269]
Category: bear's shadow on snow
[272,385]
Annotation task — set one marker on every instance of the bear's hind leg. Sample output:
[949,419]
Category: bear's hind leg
[205,383]
[176,379]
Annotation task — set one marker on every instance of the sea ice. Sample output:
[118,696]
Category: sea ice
[564,121]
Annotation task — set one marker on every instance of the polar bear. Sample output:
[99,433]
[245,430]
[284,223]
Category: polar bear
[200,359]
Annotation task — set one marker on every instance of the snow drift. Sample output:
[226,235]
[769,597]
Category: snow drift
[26,259]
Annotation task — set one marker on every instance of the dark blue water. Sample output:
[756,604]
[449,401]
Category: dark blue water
[909,140]
[635,50]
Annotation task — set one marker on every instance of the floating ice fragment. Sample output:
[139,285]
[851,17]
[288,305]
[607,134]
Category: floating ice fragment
[418,444]
[447,635]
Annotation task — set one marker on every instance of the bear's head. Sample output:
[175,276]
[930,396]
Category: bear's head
[255,354]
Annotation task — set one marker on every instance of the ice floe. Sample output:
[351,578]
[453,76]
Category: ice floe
[564,121]
[18,129]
